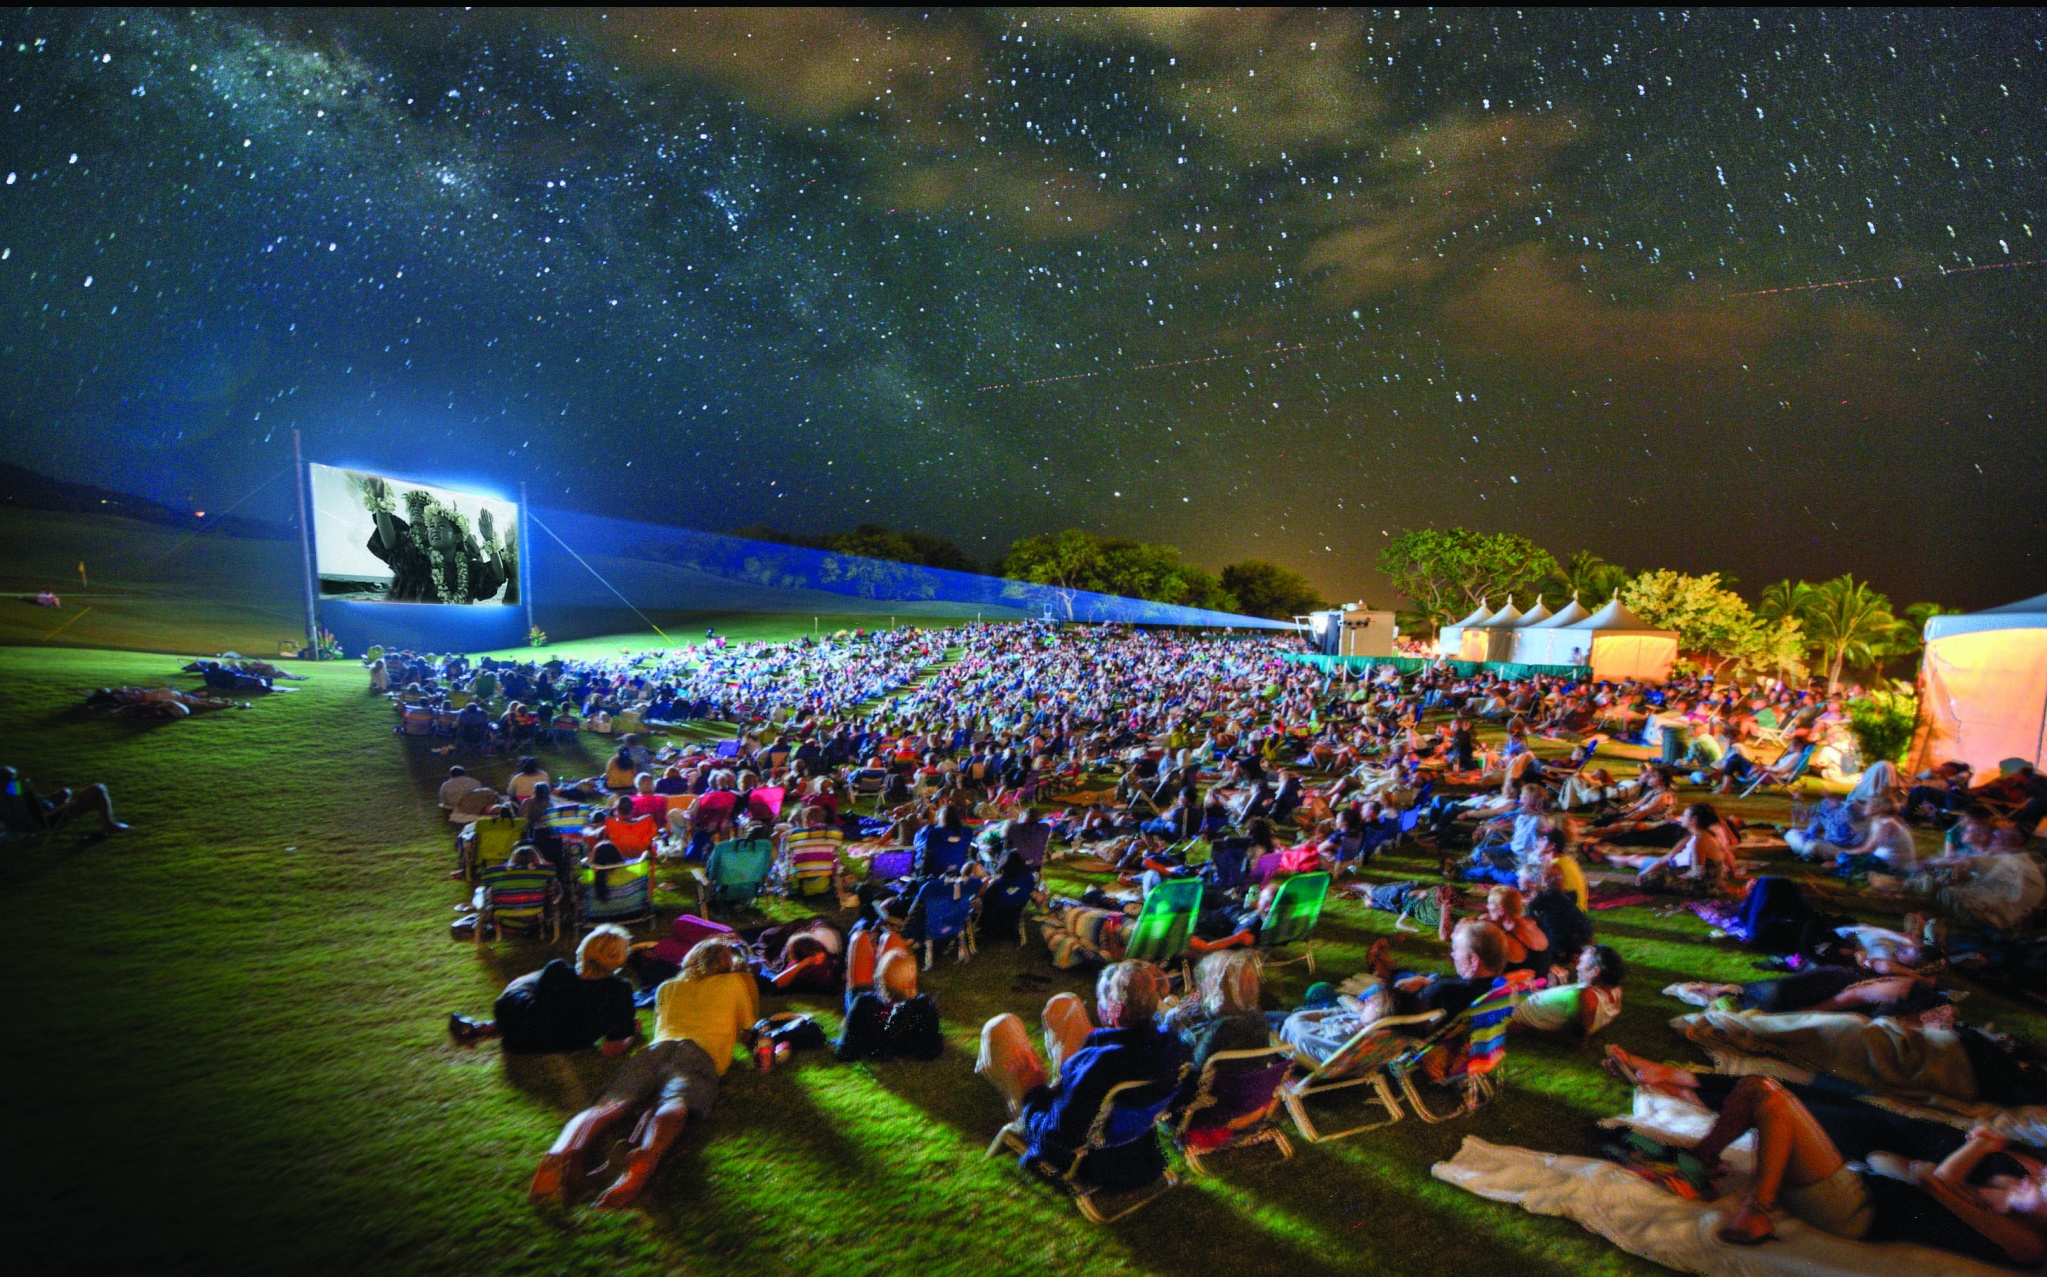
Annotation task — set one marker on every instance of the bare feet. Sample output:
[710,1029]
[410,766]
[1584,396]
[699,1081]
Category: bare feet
[1748,1226]
[639,1168]
[548,1178]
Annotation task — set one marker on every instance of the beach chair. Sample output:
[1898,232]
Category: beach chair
[1295,911]
[947,906]
[1162,929]
[1129,1112]
[1477,1041]
[487,840]
[1772,779]
[1361,1061]
[888,866]
[1236,1104]
[628,897]
[1770,729]
[525,902]
[810,863]
[734,873]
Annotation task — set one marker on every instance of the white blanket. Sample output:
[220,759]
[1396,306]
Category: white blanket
[1644,1220]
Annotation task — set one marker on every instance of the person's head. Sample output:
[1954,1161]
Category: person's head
[950,820]
[523,857]
[605,853]
[895,976]
[543,791]
[1015,866]
[1228,982]
[1127,994]
[716,956]
[643,783]
[1700,817]
[1600,964]
[1974,827]
[1534,799]
[1503,905]
[1030,816]
[622,806]
[1477,949]
[528,765]
[603,951]
[457,770]
[1259,831]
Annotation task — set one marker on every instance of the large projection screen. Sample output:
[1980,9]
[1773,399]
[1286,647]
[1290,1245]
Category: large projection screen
[384,540]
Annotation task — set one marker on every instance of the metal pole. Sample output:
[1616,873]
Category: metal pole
[299,479]
[525,552]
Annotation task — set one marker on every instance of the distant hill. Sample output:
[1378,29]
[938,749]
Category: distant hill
[25,489]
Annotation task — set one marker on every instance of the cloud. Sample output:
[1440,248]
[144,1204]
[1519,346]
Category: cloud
[1042,201]
[1435,178]
[802,65]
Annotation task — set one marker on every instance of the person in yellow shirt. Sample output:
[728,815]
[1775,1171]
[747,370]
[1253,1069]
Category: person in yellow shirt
[700,1019]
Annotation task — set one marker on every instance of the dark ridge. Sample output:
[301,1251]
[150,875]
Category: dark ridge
[25,489]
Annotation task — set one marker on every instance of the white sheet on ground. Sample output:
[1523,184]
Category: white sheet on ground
[1644,1220]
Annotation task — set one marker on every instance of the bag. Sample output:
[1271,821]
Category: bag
[798,1032]
[1774,916]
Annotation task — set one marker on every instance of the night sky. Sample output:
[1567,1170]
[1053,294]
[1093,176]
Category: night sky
[1256,283]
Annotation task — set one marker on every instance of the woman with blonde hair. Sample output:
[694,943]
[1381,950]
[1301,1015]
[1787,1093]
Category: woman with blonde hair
[1225,1015]
[888,1019]
[700,1017]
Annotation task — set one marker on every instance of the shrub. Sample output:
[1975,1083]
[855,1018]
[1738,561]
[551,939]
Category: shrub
[1882,723]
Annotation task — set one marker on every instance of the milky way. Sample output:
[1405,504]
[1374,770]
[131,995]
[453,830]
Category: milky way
[1257,283]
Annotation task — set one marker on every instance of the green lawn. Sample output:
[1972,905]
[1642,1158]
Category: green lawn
[230,1056]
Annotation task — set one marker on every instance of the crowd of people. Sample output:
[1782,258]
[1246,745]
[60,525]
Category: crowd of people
[981,753]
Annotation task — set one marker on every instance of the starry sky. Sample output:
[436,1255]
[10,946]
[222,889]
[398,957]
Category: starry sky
[1758,293]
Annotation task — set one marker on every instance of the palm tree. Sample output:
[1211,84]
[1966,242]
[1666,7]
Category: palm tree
[1847,622]
[1786,598]
[1586,577]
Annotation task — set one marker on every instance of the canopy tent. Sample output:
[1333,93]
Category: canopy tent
[1983,687]
[1533,616]
[1492,639]
[1615,642]
[1450,639]
[1532,644]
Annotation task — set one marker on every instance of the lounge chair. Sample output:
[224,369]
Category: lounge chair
[1129,1112]
[1295,911]
[1236,1104]
[1361,1061]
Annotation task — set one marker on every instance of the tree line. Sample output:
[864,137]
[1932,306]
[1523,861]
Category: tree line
[1792,630]
[1079,560]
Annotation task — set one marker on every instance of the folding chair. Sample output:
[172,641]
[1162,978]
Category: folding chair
[1295,911]
[888,866]
[947,908]
[487,840]
[1770,730]
[628,896]
[734,873]
[1236,1104]
[1480,1033]
[1361,1061]
[1130,1112]
[1770,779]
[1162,930]
[517,900]
[810,862]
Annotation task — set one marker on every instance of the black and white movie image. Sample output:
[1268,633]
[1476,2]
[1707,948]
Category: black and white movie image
[383,540]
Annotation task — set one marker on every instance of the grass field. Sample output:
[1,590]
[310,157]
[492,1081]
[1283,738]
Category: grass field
[230,1056]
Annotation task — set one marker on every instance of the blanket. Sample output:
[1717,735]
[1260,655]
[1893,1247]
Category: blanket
[1644,1220]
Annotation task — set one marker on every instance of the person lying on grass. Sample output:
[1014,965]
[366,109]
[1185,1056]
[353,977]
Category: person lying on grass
[700,1017]
[886,1018]
[24,811]
[1799,1170]
[1478,953]
[560,1008]
[1575,1012]
[1699,864]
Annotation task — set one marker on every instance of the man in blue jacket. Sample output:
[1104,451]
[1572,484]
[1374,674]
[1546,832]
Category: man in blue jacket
[1058,1103]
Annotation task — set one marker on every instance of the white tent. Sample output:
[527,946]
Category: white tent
[1493,639]
[1450,639]
[1615,642]
[1983,687]
[1533,616]
[1532,640]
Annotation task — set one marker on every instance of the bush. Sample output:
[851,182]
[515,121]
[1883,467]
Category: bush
[1882,723]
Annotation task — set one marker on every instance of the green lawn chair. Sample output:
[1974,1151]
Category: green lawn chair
[1295,911]
[1161,932]
[628,895]
[488,840]
[1361,1061]
[734,873]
